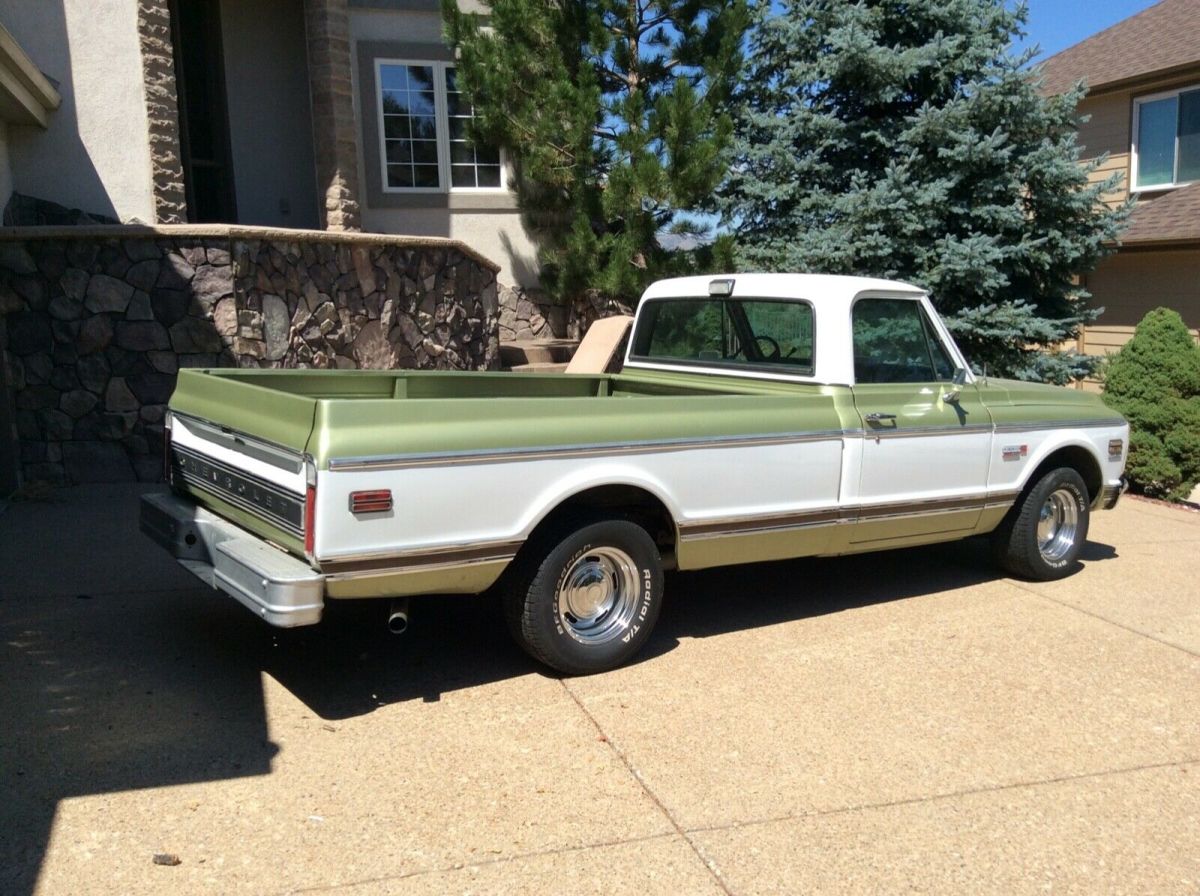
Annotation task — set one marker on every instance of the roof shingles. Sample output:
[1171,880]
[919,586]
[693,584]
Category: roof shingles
[1161,38]
[1172,217]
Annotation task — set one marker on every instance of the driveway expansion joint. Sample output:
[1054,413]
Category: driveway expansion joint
[940,797]
[1133,631]
[482,863]
[709,864]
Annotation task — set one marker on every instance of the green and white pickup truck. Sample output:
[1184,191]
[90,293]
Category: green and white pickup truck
[757,417]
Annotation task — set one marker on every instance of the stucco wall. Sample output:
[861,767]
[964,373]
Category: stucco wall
[391,24]
[496,234]
[266,79]
[95,154]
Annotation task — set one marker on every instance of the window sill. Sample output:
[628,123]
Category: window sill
[1161,188]
[467,200]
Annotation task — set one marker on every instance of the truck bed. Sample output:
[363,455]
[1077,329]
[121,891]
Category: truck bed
[328,422]
[405,384]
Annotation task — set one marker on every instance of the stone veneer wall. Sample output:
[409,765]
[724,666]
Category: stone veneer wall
[526,315]
[95,322]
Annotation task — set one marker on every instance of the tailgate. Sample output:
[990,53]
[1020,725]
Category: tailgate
[239,449]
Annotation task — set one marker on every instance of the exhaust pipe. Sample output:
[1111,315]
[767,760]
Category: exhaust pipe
[397,621]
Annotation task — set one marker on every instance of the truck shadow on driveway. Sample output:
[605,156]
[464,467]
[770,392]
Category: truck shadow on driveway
[350,664]
[727,599]
[148,680]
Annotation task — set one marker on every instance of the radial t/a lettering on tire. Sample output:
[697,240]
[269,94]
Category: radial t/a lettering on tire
[1042,535]
[588,602]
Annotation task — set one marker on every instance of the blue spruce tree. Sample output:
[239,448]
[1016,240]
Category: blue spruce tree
[905,138]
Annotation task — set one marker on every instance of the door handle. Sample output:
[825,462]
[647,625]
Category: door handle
[877,417]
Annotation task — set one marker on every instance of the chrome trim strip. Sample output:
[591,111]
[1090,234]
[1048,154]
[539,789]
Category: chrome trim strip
[506,455]
[910,432]
[1058,424]
[380,572]
[753,525]
[389,554]
[650,446]
[260,449]
[799,379]
[767,523]
[382,563]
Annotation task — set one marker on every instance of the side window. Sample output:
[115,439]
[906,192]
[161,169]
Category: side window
[943,367]
[895,343]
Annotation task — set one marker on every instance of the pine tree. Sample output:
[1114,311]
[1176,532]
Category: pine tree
[612,113]
[906,139]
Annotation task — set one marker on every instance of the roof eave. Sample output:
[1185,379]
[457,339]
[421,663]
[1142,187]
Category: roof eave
[26,95]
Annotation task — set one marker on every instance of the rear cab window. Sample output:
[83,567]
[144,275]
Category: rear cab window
[776,335]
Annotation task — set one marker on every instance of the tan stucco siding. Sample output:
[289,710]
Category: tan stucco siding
[95,153]
[1106,133]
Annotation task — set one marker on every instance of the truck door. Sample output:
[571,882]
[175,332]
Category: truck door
[926,439]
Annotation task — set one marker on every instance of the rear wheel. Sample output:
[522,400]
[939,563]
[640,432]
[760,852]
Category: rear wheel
[588,602]
[1042,535]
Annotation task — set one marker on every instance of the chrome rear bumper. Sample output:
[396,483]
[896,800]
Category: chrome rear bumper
[278,587]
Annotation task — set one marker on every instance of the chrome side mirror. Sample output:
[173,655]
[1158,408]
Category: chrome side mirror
[956,384]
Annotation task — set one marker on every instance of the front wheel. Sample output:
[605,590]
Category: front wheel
[1042,535]
[587,603]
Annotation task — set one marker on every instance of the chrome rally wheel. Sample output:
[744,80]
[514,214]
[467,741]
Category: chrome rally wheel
[1044,532]
[1058,524]
[586,601]
[598,596]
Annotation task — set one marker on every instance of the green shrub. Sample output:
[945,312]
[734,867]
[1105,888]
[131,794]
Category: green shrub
[1155,382]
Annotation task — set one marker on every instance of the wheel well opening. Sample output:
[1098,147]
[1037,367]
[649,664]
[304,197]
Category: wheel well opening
[1078,459]
[626,501]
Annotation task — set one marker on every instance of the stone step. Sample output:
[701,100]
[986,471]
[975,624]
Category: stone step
[537,351]
[539,367]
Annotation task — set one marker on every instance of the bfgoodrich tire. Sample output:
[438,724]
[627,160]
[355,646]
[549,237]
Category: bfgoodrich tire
[587,603]
[1042,535]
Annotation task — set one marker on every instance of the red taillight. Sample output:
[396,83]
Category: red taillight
[379,501]
[310,519]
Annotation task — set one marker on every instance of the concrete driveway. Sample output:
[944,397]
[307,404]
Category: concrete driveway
[887,723]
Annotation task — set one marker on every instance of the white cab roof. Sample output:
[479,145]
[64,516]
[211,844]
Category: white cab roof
[831,297]
[811,287]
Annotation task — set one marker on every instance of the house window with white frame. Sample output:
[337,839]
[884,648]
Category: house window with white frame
[1166,139]
[423,130]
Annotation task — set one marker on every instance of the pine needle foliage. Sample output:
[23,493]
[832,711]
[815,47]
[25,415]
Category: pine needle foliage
[613,113]
[1154,380]
[905,138]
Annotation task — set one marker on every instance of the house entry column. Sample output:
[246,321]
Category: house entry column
[335,136]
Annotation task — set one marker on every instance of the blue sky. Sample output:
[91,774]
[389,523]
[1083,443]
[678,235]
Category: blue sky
[1057,24]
